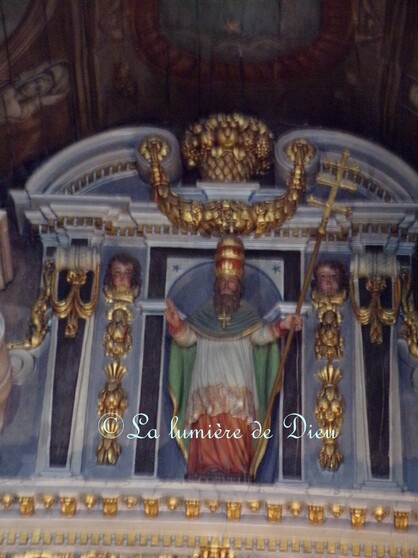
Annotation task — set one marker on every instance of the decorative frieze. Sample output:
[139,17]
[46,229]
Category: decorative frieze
[279,516]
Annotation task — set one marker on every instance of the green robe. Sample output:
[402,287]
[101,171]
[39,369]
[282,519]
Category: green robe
[204,321]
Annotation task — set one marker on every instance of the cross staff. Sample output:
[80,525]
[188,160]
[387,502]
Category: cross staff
[337,183]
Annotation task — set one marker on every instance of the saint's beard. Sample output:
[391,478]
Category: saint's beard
[226,304]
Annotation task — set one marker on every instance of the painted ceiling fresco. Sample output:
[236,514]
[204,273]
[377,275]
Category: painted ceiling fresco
[71,69]
[258,40]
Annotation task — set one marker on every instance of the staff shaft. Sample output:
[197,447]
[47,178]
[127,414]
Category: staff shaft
[262,442]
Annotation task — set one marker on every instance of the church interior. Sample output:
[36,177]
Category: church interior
[208,227]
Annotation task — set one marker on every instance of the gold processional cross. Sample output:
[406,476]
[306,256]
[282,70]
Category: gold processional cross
[339,182]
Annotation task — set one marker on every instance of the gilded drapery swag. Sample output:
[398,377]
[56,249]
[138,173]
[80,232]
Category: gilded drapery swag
[76,262]
[225,216]
[378,271]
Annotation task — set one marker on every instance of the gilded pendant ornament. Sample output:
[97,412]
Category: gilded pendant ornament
[117,339]
[375,314]
[122,285]
[225,216]
[328,295]
[329,415]
[112,398]
[328,341]
[410,315]
[112,403]
[108,449]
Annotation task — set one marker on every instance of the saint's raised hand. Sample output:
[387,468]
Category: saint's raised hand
[171,314]
[291,319]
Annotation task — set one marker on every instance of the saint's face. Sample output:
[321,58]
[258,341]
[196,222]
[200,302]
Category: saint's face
[328,280]
[228,285]
[122,276]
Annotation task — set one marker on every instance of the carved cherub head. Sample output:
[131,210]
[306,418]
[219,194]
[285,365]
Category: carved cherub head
[330,277]
[123,277]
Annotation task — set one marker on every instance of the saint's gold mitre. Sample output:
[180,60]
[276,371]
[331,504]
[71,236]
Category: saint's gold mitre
[229,258]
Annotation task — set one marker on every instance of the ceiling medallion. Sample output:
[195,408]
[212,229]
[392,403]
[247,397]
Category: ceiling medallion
[227,42]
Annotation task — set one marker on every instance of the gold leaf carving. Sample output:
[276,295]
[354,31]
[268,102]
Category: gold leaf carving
[329,415]
[219,217]
[72,307]
[39,321]
[410,315]
[375,314]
